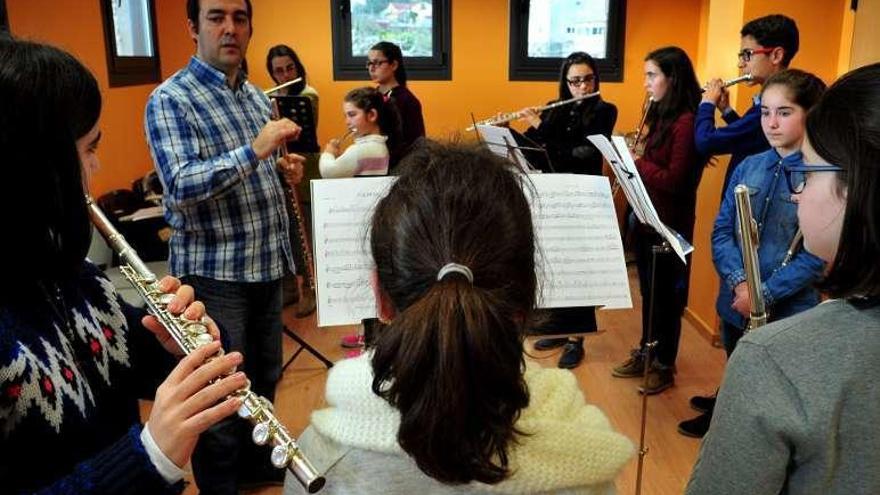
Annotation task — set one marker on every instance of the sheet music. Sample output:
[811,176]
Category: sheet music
[342,209]
[624,167]
[580,259]
[500,141]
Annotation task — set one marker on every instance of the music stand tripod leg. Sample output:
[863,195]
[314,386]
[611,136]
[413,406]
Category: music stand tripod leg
[303,346]
[649,345]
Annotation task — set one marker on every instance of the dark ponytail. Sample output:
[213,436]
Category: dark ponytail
[451,360]
[388,119]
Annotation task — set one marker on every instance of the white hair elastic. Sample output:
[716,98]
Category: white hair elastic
[456,268]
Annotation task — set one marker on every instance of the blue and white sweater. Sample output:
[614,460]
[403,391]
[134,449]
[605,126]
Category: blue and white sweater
[70,356]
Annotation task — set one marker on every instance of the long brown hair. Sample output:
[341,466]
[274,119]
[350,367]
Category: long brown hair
[451,361]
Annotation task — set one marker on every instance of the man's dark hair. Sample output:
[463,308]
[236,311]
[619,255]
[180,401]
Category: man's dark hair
[772,31]
[192,13]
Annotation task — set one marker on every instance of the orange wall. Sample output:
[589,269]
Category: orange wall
[479,60]
[821,27]
[78,28]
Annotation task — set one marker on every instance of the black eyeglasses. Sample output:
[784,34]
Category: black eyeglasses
[577,81]
[375,63]
[796,175]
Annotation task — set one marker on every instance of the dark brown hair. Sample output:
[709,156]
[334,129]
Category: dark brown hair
[804,88]
[451,360]
[682,96]
[49,100]
[367,99]
[844,129]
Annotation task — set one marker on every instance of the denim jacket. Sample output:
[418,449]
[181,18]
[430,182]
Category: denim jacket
[787,289]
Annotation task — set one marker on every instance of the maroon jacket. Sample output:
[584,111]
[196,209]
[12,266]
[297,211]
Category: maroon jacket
[671,171]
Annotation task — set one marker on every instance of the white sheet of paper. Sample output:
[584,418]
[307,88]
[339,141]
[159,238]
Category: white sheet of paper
[580,259]
[341,213]
[624,167]
[500,141]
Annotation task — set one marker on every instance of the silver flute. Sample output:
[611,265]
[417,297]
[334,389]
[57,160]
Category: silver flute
[191,335]
[730,82]
[748,232]
[507,117]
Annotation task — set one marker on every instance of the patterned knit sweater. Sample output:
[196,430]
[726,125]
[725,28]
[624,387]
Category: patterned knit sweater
[570,446]
[69,423]
[368,155]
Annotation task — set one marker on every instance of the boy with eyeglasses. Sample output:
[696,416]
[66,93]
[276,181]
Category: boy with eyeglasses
[767,46]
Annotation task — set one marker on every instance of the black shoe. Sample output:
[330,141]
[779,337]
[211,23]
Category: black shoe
[696,427]
[703,404]
[547,344]
[572,354]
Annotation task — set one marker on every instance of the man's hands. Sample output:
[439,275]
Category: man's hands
[292,167]
[274,134]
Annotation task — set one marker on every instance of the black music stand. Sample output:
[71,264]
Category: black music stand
[303,346]
[299,109]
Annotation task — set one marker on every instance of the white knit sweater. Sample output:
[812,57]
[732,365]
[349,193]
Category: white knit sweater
[570,446]
[368,155]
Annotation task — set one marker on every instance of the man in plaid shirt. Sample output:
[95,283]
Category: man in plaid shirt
[213,145]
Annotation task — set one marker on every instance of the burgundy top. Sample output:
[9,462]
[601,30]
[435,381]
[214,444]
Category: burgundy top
[412,124]
[671,171]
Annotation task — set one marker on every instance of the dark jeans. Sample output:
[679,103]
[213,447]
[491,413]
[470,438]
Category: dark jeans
[670,295]
[730,335]
[249,316]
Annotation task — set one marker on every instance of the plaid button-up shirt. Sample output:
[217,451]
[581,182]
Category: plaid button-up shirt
[226,207]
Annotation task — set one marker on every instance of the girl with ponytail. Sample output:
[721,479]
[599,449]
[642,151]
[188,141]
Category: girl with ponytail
[375,126]
[445,401]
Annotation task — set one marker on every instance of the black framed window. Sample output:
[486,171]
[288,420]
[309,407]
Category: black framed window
[131,41]
[4,20]
[544,32]
[422,29]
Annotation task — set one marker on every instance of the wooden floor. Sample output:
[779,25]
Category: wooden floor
[670,455]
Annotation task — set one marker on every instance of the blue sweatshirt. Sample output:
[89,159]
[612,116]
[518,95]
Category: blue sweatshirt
[741,137]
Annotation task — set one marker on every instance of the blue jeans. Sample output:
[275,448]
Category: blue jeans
[249,316]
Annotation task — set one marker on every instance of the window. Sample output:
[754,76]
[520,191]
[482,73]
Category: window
[130,37]
[4,21]
[544,32]
[420,27]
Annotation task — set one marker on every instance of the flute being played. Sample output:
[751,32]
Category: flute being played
[730,82]
[282,86]
[507,117]
[190,335]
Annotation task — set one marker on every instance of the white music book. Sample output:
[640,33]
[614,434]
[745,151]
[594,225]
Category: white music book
[500,141]
[620,159]
[580,258]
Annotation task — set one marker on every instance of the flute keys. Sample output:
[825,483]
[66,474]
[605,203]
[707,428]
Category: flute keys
[203,339]
[165,299]
[261,433]
[280,456]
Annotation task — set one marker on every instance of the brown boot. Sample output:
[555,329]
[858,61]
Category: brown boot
[659,379]
[306,304]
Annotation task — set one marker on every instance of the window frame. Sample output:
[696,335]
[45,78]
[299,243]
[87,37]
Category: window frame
[130,71]
[525,68]
[4,18]
[437,67]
